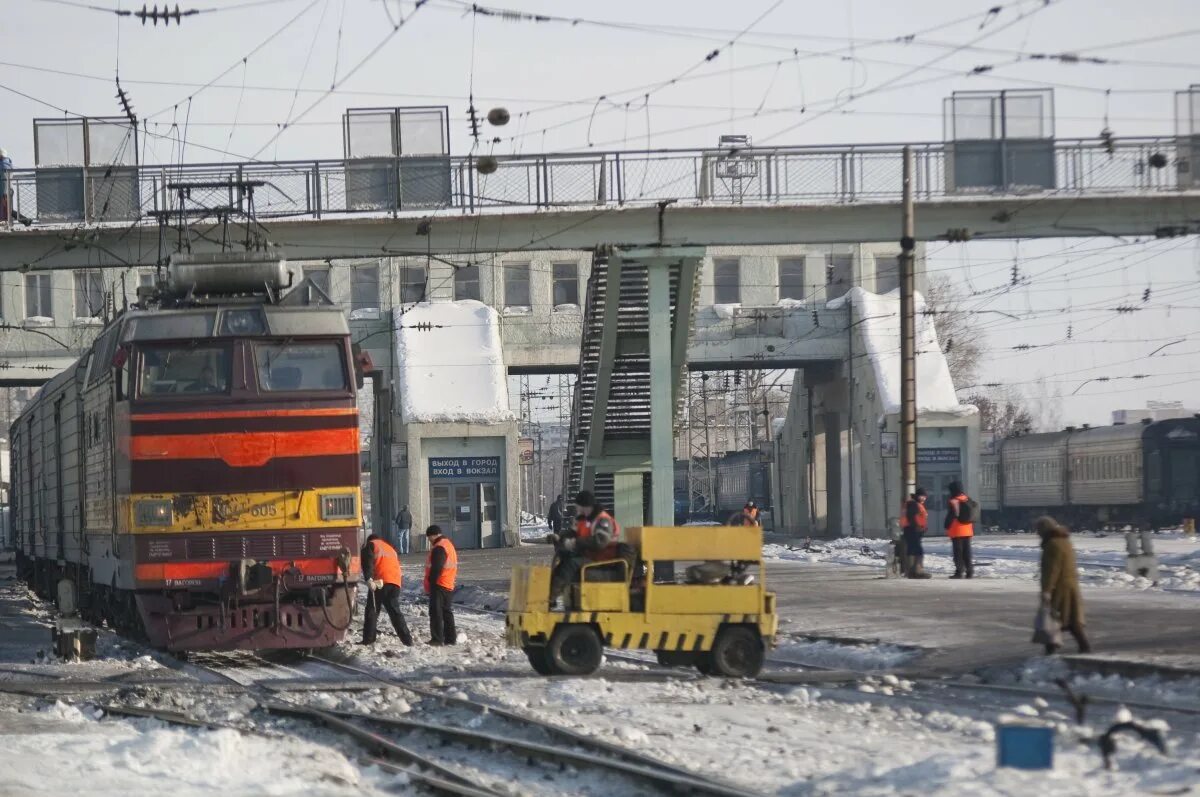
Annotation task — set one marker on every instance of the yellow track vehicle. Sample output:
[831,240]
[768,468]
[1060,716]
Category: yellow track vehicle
[718,617]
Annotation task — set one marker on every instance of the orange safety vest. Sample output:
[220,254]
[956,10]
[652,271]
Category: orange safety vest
[449,572]
[922,518]
[387,564]
[957,527]
[583,530]
[752,513]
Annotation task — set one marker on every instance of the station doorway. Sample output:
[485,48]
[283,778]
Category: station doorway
[936,469]
[464,500]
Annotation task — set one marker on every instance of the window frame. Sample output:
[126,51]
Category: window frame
[82,283]
[720,281]
[141,348]
[515,273]
[410,288]
[782,264]
[570,281]
[44,290]
[460,281]
[354,288]
[337,343]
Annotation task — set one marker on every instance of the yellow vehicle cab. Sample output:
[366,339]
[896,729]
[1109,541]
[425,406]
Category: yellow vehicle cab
[715,615]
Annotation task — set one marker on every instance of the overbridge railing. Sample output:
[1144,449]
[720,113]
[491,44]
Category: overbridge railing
[817,175]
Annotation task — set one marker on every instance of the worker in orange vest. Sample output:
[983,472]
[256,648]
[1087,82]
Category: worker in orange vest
[750,510]
[960,528]
[441,574]
[915,522]
[596,539]
[381,569]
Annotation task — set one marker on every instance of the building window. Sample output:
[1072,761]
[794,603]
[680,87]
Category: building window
[839,273]
[791,278]
[887,273]
[37,296]
[89,294]
[566,283]
[727,281]
[516,284]
[413,280]
[145,279]
[466,283]
[364,288]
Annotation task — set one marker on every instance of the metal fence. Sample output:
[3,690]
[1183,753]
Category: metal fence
[818,175]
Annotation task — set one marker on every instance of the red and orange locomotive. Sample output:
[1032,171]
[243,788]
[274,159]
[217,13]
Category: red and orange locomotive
[195,475]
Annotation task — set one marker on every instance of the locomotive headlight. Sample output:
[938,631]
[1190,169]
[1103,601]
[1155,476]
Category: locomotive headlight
[152,512]
[339,506]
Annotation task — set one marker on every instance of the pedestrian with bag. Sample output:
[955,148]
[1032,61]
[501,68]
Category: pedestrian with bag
[404,521]
[381,569]
[441,575]
[915,523]
[961,514]
[1061,602]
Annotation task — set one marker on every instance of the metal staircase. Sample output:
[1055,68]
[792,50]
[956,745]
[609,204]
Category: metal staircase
[613,421]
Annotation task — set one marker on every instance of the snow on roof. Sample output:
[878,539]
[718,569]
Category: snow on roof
[877,319]
[453,372]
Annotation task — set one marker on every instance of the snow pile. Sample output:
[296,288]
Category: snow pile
[726,311]
[114,757]
[877,319]
[823,653]
[450,363]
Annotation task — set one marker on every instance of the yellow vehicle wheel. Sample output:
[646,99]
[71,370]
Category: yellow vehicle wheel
[737,652]
[537,658]
[574,650]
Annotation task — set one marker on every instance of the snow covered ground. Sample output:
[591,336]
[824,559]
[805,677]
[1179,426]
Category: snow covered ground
[74,749]
[1017,556]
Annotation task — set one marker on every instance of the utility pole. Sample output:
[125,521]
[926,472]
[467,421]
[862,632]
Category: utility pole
[908,339]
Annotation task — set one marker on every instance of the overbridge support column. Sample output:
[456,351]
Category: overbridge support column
[663,371]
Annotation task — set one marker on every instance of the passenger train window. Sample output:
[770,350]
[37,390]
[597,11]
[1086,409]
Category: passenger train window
[184,370]
[300,366]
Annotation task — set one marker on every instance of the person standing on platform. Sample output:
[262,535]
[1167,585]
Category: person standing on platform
[441,574]
[915,524]
[404,523]
[381,569]
[960,528]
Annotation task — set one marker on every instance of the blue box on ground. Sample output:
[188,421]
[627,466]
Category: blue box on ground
[1025,746]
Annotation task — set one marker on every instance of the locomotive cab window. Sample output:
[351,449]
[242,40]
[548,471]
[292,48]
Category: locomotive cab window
[183,370]
[291,366]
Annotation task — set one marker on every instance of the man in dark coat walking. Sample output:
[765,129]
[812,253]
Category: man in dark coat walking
[404,521]
[1060,582]
[554,516]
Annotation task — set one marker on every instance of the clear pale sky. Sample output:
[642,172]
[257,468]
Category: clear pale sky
[801,73]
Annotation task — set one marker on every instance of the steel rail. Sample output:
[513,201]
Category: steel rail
[693,783]
[379,744]
[489,707]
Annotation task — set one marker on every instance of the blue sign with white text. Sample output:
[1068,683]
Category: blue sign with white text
[464,467]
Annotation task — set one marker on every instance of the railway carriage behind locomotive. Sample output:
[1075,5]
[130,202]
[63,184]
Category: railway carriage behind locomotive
[1143,475]
[194,477]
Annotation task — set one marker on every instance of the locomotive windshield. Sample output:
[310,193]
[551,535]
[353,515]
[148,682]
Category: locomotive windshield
[182,370]
[288,366]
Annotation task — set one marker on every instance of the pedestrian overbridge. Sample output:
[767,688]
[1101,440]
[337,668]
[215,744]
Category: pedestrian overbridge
[104,216]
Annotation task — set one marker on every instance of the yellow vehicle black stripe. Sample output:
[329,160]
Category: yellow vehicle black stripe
[608,639]
[682,642]
[645,638]
[699,643]
[662,641]
[625,641]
